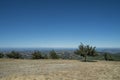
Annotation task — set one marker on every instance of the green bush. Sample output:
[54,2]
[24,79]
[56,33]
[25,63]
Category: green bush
[1,55]
[108,57]
[46,56]
[53,55]
[37,55]
[14,54]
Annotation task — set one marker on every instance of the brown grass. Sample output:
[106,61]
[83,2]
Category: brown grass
[12,69]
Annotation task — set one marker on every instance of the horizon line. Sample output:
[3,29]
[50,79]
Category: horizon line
[55,47]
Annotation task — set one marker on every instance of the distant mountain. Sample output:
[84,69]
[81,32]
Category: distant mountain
[110,50]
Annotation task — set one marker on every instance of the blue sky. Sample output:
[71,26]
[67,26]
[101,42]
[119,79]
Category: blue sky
[59,23]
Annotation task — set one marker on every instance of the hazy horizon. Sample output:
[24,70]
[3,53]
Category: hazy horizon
[54,47]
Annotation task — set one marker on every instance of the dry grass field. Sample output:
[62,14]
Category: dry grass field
[12,69]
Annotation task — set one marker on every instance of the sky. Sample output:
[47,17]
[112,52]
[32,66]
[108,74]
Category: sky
[59,23]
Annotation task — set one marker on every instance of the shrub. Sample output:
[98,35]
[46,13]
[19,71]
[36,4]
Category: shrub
[1,55]
[37,55]
[53,55]
[14,54]
[46,56]
[108,57]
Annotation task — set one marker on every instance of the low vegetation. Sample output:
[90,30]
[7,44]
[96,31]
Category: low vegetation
[87,52]
[37,55]
[108,57]
[53,55]
[1,55]
[14,54]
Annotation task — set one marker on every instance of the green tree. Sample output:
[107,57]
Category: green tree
[1,55]
[86,50]
[37,55]
[14,54]
[45,56]
[53,55]
[107,56]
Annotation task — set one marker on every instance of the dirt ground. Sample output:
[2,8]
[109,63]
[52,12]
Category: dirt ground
[12,69]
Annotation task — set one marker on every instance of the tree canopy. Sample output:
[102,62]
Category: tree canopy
[37,55]
[53,55]
[86,50]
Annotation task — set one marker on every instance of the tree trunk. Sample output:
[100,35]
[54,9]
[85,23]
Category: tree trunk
[85,58]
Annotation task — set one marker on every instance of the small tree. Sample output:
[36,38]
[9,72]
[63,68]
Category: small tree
[53,55]
[1,55]
[14,54]
[45,56]
[86,50]
[37,55]
[107,56]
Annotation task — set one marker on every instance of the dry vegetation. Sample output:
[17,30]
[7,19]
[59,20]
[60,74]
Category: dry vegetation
[12,69]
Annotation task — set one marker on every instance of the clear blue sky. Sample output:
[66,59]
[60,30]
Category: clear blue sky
[59,23]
